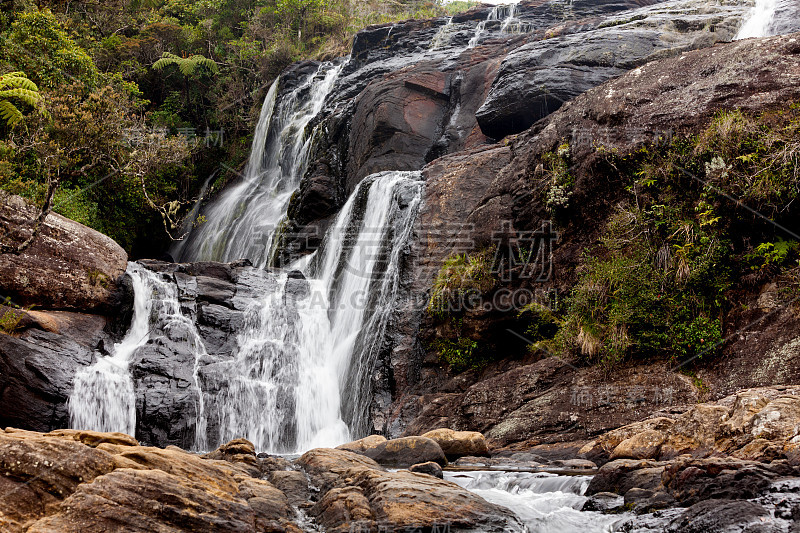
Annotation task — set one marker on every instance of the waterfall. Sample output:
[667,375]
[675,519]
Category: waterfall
[442,36]
[242,222]
[759,20]
[301,376]
[506,15]
[103,396]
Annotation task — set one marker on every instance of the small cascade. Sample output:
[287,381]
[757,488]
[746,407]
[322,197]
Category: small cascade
[442,37]
[103,396]
[758,23]
[242,222]
[481,28]
[506,16]
[302,374]
[546,503]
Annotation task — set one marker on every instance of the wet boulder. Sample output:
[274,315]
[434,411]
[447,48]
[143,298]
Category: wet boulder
[430,468]
[457,444]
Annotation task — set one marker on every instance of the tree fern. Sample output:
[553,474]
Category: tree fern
[187,65]
[16,86]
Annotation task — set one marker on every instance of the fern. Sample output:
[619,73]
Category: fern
[9,113]
[17,80]
[16,86]
[187,65]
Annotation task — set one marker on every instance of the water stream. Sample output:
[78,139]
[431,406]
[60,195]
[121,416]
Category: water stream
[759,21]
[546,503]
[243,220]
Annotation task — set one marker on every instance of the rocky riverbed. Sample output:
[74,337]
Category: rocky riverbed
[71,480]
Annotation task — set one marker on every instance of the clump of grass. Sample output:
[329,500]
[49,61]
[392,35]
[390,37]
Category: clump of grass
[461,274]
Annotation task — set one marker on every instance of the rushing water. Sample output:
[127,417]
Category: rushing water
[300,378]
[759,20]
[242,222]
[546,503]
[506,15]
[103,396]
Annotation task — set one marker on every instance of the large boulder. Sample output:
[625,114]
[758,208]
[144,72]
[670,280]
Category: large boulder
[57,483]
[407,451]
[68,266]
[457,444]
[357,493]
[409,500]
[360,445]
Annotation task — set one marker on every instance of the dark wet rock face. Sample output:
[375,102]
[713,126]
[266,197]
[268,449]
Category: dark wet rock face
[37,369]
[538,78]
[414,91]
[523,400]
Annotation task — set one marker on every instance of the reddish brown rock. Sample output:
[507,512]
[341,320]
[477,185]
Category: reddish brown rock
[70,480]
[457,444]
[69,266]
[360,445]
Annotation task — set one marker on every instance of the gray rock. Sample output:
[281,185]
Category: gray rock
[604,502]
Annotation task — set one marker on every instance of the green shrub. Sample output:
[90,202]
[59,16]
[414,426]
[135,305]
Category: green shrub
[460,275]
[459,353]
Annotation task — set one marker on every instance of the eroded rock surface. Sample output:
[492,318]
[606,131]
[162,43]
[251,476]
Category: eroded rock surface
[357,492]
[68,267]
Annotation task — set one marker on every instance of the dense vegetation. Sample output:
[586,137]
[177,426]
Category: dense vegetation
[124,108]
[703,224]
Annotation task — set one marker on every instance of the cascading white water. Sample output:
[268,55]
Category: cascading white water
[103,396]
[442,36]
[760,19]
[242,222]
[480,29]
[361,271]
[546,503]
[301,376]
[507,14]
